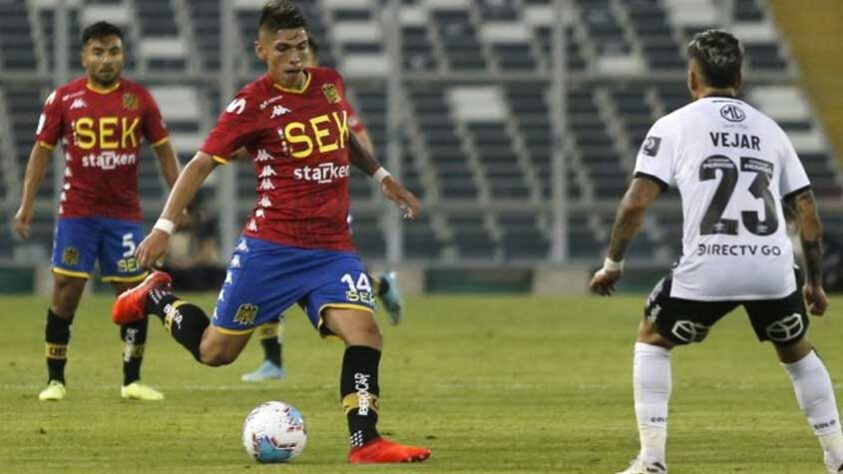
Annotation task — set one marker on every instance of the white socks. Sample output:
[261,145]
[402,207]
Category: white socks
[651,380]
[815,395]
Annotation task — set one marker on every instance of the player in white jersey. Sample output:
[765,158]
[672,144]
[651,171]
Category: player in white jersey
[733,167]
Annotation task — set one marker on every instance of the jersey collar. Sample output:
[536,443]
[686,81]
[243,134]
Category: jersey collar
[300,90]
[102,91]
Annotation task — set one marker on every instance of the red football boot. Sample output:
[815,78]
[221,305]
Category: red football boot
[381,451]
[130,305]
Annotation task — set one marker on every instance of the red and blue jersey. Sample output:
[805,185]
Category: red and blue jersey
[101,132]
[298,143]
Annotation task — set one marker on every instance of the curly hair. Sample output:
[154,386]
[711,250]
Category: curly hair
[720,56]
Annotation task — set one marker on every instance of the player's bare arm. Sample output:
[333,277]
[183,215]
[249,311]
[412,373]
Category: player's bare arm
[39,157]
[154,246]
[628,220]
[810,233]
[365,140]
[168,162]
[361,158]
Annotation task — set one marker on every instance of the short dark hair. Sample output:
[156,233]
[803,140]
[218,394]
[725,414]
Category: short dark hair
[720,56]
[100,29]
[281,15]
[314,48]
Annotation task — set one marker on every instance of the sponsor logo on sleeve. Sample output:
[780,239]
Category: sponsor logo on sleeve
[651,145]
[237,106]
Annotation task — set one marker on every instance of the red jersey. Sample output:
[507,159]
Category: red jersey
[298,142]
[354,123]
[101,132]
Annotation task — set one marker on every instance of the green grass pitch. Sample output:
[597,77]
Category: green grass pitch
[490,384]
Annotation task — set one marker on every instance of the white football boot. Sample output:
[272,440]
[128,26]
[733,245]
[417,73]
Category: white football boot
[640,467]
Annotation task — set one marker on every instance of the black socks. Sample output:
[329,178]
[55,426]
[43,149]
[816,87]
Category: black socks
[359,391]
[57,337]
[134,340]
[186,322]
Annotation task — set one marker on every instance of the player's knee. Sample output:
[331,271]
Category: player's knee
[216,355]
[216,358]
[649,334]
[365,335]
[792,353]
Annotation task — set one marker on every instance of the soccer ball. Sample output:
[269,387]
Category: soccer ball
[274,432]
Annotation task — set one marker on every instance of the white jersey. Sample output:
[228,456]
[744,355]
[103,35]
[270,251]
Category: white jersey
[732,165]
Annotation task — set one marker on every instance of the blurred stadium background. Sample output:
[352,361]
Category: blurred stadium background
[515,121]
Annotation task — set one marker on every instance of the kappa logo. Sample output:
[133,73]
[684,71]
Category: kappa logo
[266,185]
[265,202]
[266,172]
[78,104]
[253,226]
[264,155]
[278,111]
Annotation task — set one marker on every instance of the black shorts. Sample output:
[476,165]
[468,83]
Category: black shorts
[782,321]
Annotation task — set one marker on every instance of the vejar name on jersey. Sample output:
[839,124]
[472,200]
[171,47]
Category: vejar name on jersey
[738,250]
[324,173]
[108,160]
[735,140]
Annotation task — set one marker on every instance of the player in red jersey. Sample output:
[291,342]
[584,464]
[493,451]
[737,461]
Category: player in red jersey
[296,246]
[385,285]
[101,119]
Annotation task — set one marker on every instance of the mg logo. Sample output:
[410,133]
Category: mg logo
[732,113]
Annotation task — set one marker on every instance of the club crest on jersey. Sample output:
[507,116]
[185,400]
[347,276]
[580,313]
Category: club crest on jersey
[70,256]
[732,113]
[130,101]
[651,146]
[246,314]
[331,93]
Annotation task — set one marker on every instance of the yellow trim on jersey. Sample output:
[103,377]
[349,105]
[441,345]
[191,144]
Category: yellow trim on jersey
[220,159]
[129,279]
[62,271]
[161,141]
[344,306]
[268,330]
[232,332]
[46,145]
[103,91]
[295,91]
